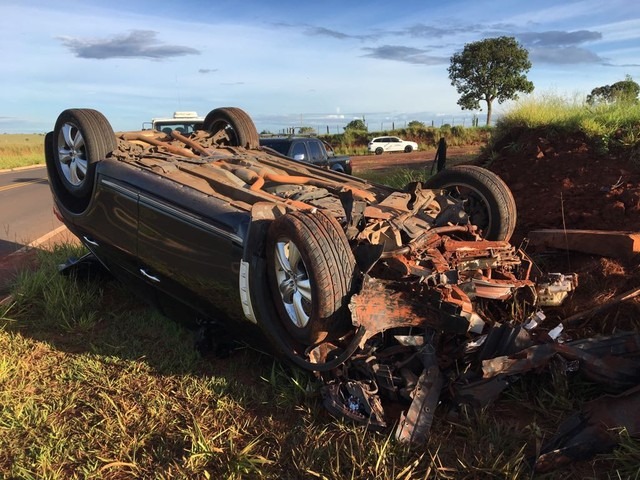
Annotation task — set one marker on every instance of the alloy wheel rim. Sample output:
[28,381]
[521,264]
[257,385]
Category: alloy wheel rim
[293,282]
[72,154]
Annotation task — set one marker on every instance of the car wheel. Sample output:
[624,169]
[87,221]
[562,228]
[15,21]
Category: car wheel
[310,268]
[488,200]
[408,149]
[379,151]
[234,126]
[337,168]
[81,138]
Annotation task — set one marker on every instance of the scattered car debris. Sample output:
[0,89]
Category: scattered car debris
[592,312]
[404,296]
[595,429]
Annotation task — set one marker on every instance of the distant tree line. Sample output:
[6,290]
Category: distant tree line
[624,91]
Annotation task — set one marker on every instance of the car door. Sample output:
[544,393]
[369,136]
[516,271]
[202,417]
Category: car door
[316,155]
[190,247]
[109,225]
[299,152]
[394,144]
[386,144]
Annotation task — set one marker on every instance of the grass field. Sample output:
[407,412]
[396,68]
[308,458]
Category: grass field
[18,150]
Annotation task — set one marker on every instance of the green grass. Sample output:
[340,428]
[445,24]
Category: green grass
[94,384]
[608,127]
[395,177]
[18,150]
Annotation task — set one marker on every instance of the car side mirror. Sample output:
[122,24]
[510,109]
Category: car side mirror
[298,156]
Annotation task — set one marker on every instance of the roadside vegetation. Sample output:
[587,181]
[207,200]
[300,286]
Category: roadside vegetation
[605,127]
[18,150]
[355,141]
[94,384]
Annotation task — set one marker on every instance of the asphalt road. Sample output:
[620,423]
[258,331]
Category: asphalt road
[25,208]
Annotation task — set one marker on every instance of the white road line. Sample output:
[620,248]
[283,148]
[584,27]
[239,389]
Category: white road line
[39,241]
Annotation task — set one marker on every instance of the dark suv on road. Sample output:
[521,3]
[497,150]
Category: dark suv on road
[308,149]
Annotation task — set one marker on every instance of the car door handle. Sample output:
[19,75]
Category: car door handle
[150,277]
[90,241]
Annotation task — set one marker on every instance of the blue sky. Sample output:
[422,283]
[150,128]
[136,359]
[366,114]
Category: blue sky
[291,63]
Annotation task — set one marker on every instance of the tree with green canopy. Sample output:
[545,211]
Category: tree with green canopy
[624,91]
[488,70]
[356,124]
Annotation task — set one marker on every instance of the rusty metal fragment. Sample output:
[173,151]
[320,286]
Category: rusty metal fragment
[612,360]
[382,306]
[415,425]
[595,429]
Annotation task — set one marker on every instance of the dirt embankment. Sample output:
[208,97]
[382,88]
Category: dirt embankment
[565,184]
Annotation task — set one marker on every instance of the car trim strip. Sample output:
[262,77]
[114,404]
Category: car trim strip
[245,295]
[173,211]
[190,219]
[120,188]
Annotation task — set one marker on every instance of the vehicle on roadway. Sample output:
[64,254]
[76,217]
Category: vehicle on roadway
[379,145]
[183,122]
[352,280]
[308,149]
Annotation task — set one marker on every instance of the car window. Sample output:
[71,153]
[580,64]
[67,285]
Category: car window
[298,149]
[278,145]
[182,127]
[315,152]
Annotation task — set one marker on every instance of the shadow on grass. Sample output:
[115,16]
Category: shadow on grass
[90,312]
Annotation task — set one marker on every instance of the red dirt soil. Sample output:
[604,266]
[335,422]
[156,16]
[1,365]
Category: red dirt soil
[419,159]
[565,184]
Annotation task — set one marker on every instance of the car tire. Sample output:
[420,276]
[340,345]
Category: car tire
[489,201]
[408,149]
[81,138]
[310,268]
[337,168]
[237,125]
[379,151]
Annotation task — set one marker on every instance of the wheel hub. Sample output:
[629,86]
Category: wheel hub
[293,282]
[71,154]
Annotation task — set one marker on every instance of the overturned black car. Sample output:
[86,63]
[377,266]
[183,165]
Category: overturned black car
[385,294]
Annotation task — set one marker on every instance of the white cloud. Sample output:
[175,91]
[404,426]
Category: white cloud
[275,71]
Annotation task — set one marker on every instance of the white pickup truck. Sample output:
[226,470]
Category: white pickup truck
[184,122]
